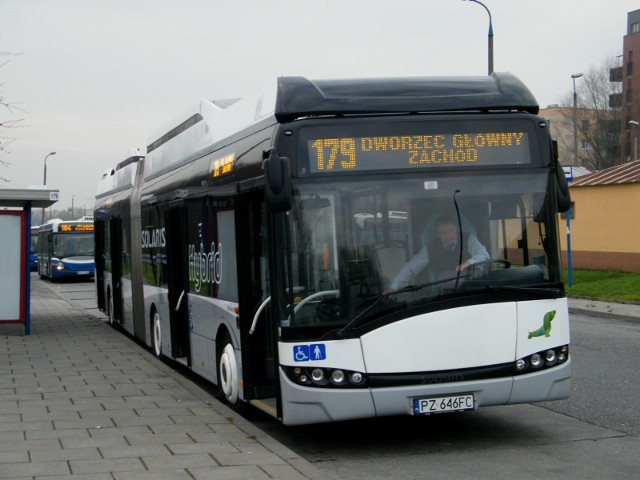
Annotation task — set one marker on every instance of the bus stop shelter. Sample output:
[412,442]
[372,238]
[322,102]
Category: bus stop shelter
[15,249]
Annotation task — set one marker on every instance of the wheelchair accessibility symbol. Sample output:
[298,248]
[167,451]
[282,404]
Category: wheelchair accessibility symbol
[307,353]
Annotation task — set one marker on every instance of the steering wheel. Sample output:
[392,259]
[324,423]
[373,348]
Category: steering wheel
[313,296]
[496,261]
[481,268]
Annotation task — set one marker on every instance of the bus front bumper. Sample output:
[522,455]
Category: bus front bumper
[307,405]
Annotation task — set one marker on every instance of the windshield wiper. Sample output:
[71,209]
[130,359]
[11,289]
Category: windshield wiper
[542,292]
[355,321]
[415,288]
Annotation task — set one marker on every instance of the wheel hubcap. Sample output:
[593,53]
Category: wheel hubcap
[229,374]
[157,335]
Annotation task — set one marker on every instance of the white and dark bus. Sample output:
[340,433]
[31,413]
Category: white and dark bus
[116,279]
[256,242]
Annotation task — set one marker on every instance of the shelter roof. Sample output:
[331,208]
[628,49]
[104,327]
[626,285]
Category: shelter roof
[39,198]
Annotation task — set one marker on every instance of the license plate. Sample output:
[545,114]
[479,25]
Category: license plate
[453,403]
[84,273]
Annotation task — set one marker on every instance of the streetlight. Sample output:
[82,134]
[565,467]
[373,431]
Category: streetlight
[575,118]
[635,139]
[490,46]
[44,181]
[575,162]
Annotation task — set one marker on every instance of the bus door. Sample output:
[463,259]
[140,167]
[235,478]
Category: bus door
[44,253]
[115,232]
[258,331]
[178,274]
[137,292]
[98,246]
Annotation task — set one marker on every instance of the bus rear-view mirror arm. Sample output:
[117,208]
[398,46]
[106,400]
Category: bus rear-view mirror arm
[277,172]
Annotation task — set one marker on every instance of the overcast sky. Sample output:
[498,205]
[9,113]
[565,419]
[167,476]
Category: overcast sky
[94,78]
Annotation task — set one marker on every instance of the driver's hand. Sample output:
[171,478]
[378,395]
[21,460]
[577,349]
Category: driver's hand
[462,266]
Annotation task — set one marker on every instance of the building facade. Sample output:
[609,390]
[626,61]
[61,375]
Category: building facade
[628,75]
[591,150]
[605,221]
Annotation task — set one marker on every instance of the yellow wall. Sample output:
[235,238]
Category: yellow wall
[607,219]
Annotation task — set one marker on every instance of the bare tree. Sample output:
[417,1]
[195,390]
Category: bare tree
[7,122]
[599,119]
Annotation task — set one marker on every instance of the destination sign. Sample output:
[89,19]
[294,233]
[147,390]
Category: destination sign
[222,166]
[418,151]
[75,227]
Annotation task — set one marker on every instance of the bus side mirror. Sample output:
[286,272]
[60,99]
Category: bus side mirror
[562,189]
[277,172]
[554,146]
[562,186]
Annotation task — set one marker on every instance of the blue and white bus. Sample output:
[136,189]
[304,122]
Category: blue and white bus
[33,257]
[259,238]
[65,249]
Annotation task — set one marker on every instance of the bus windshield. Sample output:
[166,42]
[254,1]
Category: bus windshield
[76,245]
[352,241]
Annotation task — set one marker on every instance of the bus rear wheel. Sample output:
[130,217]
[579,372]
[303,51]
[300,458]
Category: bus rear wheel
[110,309]
[156,333]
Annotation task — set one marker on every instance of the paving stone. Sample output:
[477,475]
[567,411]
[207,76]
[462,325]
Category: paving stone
[81,401]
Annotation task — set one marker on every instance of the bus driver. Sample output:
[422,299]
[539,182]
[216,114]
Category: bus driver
[442,254]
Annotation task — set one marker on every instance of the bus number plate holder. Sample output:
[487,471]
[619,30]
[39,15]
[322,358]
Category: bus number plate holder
[453,403]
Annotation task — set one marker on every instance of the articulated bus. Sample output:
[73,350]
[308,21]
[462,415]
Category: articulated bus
[65,249]
[116,229]
[257,240]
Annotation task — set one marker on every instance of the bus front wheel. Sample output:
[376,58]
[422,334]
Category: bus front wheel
[228,377]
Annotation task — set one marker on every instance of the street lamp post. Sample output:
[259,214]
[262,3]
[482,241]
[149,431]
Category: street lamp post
[490,45]
[575,162]
[44,180]
[575,118]
[635,139]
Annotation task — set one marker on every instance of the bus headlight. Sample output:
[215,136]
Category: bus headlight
[521,365]
[325,377]
[562,355]
[550,357]
[536,360]
[338,377]
[317,376]
[357,378]
[540,360]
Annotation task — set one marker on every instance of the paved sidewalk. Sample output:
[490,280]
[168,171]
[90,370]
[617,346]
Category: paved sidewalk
[79,400]
[622,311]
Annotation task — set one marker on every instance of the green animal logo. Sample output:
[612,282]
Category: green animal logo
[545,329]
